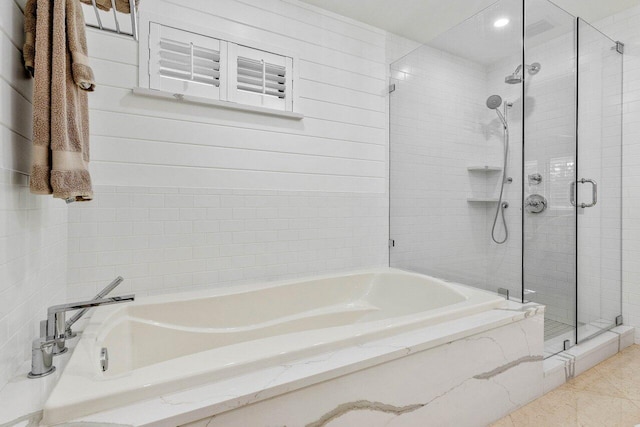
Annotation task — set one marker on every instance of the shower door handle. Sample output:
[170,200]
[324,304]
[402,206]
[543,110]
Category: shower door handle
[594,193]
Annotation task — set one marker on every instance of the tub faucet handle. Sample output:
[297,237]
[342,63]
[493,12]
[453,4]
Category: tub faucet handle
[41,358]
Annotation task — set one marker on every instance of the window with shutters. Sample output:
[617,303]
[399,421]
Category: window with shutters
[186,63]
[260,78]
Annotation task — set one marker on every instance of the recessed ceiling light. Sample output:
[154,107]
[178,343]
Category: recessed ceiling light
[501,22]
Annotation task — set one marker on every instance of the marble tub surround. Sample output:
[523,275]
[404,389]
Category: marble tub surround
[509,338]
[168,343]
[605,395]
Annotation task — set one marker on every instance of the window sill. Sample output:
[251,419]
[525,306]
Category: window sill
[217,104]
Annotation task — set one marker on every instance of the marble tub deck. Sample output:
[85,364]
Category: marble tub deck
[606,395]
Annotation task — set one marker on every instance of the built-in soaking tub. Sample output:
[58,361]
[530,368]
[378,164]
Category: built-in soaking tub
[162,344]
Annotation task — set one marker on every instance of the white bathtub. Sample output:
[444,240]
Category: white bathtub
[167,343]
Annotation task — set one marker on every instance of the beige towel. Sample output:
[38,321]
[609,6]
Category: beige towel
[55,52]
[106,5]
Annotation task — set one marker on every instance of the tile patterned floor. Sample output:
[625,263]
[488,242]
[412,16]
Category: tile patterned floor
[606,395]
[554,328]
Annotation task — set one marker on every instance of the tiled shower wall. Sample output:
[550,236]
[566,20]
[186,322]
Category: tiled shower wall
[624,26]
[433,140]
[419,170]
[33,229]
[549,237]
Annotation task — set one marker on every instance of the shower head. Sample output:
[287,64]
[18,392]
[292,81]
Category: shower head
[516,77]
[513,79]
[494,101]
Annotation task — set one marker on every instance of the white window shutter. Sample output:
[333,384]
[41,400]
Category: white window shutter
[260,78]
[186,63]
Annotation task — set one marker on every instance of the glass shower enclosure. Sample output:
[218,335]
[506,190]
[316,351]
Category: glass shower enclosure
[505,163]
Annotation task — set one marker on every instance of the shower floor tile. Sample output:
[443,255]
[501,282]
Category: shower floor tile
[553,328]
[607,395]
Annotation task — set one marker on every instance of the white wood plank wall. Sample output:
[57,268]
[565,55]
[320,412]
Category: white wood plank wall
[340,145]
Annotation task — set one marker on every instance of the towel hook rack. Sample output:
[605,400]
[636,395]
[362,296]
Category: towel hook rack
[108,17]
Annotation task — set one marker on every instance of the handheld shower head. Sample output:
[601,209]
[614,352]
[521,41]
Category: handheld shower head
[494,101]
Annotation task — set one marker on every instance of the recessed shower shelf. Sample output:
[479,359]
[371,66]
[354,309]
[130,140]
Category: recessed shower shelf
[483,168]
[482,200]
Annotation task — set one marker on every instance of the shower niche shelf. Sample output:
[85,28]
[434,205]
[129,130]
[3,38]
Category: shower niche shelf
[482,199]
[484,168]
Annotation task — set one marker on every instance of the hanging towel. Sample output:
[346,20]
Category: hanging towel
[55,52]
[106,5]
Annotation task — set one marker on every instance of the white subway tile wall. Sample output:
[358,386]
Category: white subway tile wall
[33,229]
[167,240]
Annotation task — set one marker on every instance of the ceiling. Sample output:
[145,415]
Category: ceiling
[423,20]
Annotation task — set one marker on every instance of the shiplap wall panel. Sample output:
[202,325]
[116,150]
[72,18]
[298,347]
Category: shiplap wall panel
[11,66]
[202,156]
[192,177]
[340,145]
[340,78]
[103,45]
[15,110]
[287,35]
[323,19]
[159,129]
[328,92]
[274,26]
[120,99]
[137,106]
[16,151]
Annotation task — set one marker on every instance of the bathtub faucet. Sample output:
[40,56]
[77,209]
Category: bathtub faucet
[56,324]
[103,293]
[44,348]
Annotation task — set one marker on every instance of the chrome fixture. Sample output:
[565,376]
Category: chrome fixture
[104,359]
[493,103]
[516,77]
[535,179]
[44,348]
[56,325]
[535,204]
[111,286]
[41,358]
[594,193]
[133,14]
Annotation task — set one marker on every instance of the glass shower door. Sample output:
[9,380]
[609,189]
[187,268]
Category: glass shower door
[599,181]
[550,157]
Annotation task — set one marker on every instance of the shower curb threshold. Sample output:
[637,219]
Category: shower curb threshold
[562,367]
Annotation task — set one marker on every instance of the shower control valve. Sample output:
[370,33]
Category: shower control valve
[535,179]
[535,204]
